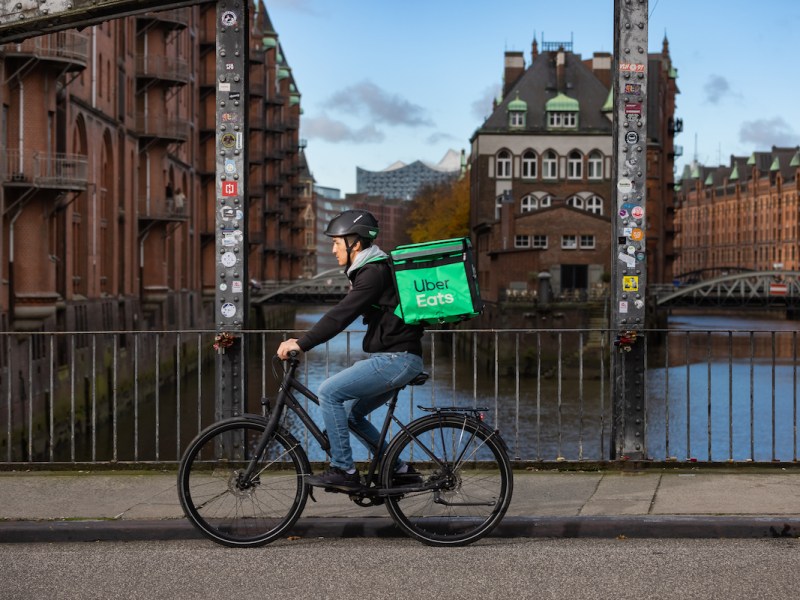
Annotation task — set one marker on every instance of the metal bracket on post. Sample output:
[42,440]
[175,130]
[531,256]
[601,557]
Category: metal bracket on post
[231,302]
[629,260]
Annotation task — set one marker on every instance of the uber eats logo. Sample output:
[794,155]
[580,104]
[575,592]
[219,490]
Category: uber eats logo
[424,297]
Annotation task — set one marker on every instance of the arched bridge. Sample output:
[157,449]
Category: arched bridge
[325,287]
[751,288]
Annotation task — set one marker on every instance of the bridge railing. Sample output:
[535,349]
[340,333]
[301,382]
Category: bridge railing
[140,397]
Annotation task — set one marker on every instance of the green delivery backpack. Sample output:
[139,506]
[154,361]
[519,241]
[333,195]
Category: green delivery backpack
[436,282]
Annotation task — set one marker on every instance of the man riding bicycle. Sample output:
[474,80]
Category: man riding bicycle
[395,348]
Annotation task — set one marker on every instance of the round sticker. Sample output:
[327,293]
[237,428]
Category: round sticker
[636,234]
[228,18]
[637,212]
[624,185]
[228,310]
[228,259]
[223,287]
[631,137]
[640,256]
[228,140]
[631,249]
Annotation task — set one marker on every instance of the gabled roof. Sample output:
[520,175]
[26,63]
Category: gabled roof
[537,85]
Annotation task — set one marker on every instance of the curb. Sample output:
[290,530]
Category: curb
[620,527]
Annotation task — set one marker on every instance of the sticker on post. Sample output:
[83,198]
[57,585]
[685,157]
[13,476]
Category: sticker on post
[236,287]
[230,188]
[631,137]
[228,140]
[625,185]
[228,18]
[631,68]
[629,261]
[228,259]
[630,283]
[623,306]
[224,87]
[228,310]
[637,212]
[230,166]
[636,234]
[633,108]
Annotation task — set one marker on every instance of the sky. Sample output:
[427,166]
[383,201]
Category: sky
[389,80]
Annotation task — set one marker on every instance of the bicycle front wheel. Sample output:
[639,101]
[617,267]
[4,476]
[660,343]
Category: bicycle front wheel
[237,512]
[467,470]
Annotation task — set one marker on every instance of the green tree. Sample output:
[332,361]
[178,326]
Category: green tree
[440,211]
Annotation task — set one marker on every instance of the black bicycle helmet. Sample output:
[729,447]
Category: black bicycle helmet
[353,222]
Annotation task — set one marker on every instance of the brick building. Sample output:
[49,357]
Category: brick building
[739,216]
[541,171]
[109,172]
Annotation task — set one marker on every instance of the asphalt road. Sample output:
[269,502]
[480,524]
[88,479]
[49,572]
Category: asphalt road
[399,568]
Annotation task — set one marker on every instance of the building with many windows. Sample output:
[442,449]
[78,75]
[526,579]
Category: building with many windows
[109,173]
[744,215]
[541,171]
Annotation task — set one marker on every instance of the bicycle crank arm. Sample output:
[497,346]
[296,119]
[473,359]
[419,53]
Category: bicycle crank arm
[442,501]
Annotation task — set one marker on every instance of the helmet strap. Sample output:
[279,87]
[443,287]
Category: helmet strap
[349,248]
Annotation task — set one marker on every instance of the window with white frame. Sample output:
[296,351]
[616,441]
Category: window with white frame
[574,165]
[587,242]
[529,164]
[516,119]
[566,120]
[503,164]
[569,242]
[539,241]
[594,204]
[550,165]
[595,165]
[528,203]
[545,201]
[575,202]
[522,241]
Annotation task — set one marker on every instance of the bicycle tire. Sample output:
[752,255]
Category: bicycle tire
[474,492]
[219,506]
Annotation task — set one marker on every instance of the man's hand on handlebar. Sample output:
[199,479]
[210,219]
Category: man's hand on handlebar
[288,346]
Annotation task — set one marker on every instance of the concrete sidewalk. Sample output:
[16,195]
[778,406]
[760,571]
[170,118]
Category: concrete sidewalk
[684,502]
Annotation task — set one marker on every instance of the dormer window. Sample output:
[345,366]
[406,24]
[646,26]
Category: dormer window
[517,112]
[562,112]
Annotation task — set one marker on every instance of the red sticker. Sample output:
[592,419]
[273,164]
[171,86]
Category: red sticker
[230,188]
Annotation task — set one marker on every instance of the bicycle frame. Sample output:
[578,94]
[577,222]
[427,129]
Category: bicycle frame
[286,401]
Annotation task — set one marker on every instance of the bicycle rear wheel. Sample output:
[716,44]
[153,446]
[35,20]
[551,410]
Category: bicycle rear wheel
[471,480]
[223,506]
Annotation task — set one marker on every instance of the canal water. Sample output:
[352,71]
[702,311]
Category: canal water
[714,392]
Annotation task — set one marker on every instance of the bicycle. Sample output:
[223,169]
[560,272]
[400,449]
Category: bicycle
[242,480]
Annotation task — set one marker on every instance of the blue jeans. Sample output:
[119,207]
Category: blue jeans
[349,396]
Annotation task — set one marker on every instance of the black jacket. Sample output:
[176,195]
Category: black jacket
[372,295]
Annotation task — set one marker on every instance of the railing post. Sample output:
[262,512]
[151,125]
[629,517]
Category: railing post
[231,304]
[629,260]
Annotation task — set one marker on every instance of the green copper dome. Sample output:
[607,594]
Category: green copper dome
[518,105]
[609,105]
[562,103]
[776,165]
[734,174]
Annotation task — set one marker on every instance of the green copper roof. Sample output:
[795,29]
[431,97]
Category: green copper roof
[294,99]
[562,103]
[695,171]
[518,105]
[609,105]
[269,42]
[710,179]
[292,87]
[734,174]
[752,160]
[283,73]
[673,73]
[776,165]
[677,187]
[795,162]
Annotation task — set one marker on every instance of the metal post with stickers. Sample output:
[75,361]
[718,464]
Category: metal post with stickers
[629,258]
[231,301]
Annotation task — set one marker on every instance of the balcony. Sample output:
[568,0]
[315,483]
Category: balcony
[172,129]
[153,208]
[164,68]
[45,170]
[65,49]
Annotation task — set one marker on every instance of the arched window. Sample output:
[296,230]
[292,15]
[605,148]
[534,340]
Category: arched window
[544,201]
[550,165]
[528,203]
[503,164]
[574,165]
[594,204]
[595,165]
[529,164]
[575,202]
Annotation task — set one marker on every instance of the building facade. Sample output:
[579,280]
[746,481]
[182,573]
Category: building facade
[541,170]
[744,215]
[402,181]
[109,172]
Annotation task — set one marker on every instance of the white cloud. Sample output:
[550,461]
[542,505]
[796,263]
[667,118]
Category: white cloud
[366,98]
[334,131]
[765,133]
